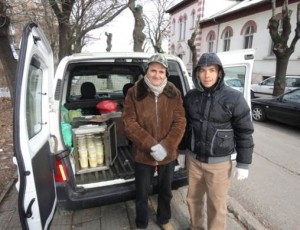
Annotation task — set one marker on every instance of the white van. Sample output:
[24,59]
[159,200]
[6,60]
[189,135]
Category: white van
[266,87]
[52,115]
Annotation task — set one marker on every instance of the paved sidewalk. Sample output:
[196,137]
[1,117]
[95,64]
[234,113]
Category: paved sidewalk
[121,215]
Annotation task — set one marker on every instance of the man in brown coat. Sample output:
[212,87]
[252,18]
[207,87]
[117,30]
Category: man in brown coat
[154,121]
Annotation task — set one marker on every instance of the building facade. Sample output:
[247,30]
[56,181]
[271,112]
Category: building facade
[237,25]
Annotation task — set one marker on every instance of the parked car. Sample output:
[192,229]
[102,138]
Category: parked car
[55,115]
[267,85]
[284,108]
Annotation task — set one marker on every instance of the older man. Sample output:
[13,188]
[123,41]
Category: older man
[154,120]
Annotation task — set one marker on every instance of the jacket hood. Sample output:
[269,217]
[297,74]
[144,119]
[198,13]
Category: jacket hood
[207,59]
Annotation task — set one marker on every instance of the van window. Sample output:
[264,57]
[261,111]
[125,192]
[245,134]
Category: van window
[104,83]
[235,77]
[34,99]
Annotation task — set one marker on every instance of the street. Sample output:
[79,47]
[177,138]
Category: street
[110,217]
[271,192]
[270,195]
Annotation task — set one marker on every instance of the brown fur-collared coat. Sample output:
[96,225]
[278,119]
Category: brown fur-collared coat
[148,123]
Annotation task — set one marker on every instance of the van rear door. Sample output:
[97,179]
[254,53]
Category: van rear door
[238,66]
[35,161]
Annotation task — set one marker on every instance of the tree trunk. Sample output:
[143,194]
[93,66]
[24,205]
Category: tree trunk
[191,43]
[65,48]
[6,54]
[158,46]
[139,24]
[280,47]
[280,77]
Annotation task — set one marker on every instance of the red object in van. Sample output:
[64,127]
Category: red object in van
[107,106]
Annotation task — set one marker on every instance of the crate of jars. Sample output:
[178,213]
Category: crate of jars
[94,147]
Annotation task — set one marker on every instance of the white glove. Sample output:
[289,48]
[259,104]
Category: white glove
[158,152]
[181,160]
[240,174]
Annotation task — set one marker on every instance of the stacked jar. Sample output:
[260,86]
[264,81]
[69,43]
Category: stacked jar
[99,150]
[82,150]
[91,150]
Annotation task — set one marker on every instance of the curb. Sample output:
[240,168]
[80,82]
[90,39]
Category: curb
[243,216]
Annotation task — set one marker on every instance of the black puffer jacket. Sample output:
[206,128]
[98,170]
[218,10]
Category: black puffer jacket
[218,119]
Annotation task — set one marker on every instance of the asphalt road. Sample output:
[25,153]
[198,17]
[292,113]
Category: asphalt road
[271,192]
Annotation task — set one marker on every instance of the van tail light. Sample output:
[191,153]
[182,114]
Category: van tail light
[61,174]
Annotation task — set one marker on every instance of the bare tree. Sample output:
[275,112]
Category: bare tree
[280,47]
[191,44]
[157,24]
[77,18]
[15,14]
[139,24]
[6,54]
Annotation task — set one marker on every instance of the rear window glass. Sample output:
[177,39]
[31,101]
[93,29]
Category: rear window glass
[104,84]
[292,82]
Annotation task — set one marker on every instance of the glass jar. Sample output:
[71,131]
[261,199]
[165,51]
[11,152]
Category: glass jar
[90,142]
[99,150]
[83,162]
[81,140]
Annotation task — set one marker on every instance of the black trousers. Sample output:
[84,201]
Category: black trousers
[143,180]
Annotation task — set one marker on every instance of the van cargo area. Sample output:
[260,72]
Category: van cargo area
[87,86]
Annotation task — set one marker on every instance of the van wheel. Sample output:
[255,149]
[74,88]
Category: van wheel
[258,113]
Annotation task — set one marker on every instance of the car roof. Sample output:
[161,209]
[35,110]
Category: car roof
[92,55]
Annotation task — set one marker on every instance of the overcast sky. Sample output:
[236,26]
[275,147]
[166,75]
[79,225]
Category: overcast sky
[121,28]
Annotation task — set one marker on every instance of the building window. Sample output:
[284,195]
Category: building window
[190,56]
[193,21]
[180,29]
[172,49]
[210,40]
[227,36]
[248,37]
[248,31]
[184,29]
[174,27]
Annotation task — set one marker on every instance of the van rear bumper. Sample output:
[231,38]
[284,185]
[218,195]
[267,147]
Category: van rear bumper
[69,199]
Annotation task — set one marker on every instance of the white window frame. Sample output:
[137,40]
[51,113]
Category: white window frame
[227,39]
[248,37]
